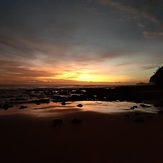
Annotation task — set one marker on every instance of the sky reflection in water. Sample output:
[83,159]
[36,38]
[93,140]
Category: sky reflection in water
[56,109]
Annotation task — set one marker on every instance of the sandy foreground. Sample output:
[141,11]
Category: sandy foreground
[100,138]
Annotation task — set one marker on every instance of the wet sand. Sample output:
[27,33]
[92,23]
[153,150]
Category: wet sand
[99,138]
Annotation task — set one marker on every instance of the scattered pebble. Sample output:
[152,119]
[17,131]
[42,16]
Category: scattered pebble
[160,112]
[6,106]
[63,103]
[57,122]
[76,121]
[133,107]
[22,107]
[139,120]
[127,115]
[80,105]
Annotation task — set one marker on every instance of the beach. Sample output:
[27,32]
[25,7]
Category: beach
[90,125]
[98,138]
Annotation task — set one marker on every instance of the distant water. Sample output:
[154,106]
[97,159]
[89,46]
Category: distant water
[9,87]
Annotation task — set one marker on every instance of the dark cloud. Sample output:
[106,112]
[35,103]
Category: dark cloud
[143,9]
[152,34]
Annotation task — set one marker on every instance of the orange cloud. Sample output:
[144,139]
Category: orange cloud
[11,71]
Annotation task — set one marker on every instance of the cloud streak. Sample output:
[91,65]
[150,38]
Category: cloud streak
[132,10]
[152,34]
[141,13]
[14,71]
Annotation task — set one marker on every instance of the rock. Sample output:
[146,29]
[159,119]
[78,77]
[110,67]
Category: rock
[150,116]
[6,106]
[127,115]
[159,104]
[76,121]
[79,105]
[133,107]
[139,120]
[137,114]
[40,101]
[160,112]
[22,107]
[63,103]
[57,122]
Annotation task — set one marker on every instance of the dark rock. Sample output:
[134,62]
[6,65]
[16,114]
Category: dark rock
[139,120]
[20,99]
[40,101]
[156,105]
[76,121]
[6,106]
[150,116]
[22,107]
[79,105]
[57,122]
[159,104]
[127,115]
[157,78]
[133,107]
[160,112]
[63,103]
[137,114]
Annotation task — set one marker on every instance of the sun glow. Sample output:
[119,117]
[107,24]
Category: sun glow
[91,78]
[83,75]
[86,75]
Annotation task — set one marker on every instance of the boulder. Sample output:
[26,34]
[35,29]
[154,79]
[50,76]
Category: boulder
[22,107]
[76,121]
[79,105]
[57,122]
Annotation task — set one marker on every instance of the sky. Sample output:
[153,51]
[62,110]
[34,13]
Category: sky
[80,41]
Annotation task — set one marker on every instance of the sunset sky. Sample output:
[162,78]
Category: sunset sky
[75,41]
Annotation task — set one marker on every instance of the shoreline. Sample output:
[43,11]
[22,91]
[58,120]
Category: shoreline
[139,94]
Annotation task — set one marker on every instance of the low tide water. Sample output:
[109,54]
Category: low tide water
[56,109]
[23,97]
